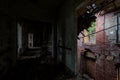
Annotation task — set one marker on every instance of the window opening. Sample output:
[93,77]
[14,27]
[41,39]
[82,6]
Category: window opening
[90,34]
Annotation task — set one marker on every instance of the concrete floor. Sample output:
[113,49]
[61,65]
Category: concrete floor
[37,69]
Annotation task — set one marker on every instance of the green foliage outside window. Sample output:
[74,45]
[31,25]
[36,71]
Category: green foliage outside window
[91,29]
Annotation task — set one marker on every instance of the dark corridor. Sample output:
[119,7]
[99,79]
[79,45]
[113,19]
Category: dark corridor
[41,68]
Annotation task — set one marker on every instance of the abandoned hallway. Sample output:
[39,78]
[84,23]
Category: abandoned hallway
[59,40]
[37,69]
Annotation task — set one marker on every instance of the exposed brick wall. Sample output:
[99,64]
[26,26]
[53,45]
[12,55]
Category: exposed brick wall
[104,68]
[101,69]
[91,68]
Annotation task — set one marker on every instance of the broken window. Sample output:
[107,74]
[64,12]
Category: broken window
[112,27]
[91,30]
[90,34]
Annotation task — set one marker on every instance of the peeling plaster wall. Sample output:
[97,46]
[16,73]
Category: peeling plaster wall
[67,34]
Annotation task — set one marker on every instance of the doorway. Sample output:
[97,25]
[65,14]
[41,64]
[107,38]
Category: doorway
[30,40]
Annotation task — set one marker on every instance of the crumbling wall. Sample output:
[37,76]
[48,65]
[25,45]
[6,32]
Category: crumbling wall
[105,49]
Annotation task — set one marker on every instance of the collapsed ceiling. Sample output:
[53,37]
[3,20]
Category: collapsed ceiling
[93,6]
[86,13]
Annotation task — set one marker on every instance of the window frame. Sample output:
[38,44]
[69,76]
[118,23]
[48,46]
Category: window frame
[118,29]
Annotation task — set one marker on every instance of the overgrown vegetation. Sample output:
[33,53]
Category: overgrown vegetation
[91,29]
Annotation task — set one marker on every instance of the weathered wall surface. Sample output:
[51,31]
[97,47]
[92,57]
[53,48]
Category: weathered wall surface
[105,49]
[8,43]
[67,34]
[105,67]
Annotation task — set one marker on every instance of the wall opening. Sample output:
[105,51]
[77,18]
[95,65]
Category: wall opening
[89,34]
[30,40]
[102,39]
